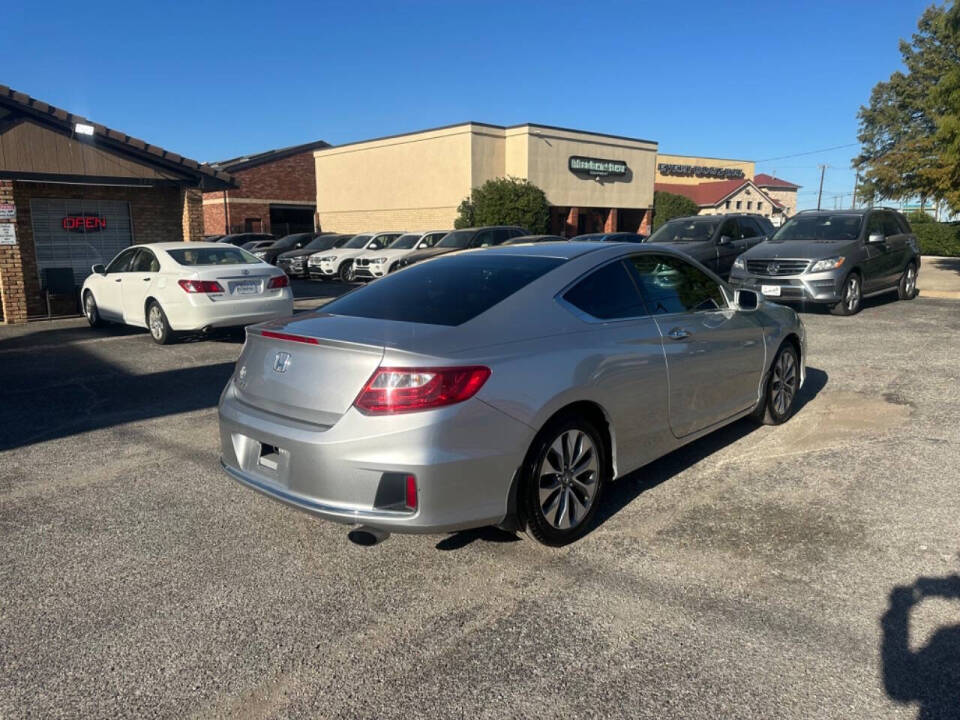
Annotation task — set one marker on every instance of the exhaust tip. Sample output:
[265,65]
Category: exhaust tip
[367,536]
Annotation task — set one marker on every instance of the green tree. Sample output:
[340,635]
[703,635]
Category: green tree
[505,201]
[899,156]
[946,104]
[667,206]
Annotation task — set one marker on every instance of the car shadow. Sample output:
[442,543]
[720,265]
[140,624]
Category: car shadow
[625,490]
[23,337]
[930,675]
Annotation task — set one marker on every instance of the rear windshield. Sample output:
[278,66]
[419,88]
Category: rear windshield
[446,291]
[213,256]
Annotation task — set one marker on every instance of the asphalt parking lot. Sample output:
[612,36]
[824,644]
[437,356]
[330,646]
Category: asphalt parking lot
[751,574]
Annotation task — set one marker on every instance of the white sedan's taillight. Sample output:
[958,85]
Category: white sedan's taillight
[394,390]
[200,286]
[280,281]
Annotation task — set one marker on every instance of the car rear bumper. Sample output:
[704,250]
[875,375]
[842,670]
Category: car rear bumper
[464,458]
[201,312]
[822,287]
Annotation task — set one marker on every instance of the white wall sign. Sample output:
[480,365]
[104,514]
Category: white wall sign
[8,234]
[8,211]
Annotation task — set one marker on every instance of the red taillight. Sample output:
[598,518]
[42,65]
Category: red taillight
[393,390]
[200,286]
[410,496]
[288,336]
[280,281]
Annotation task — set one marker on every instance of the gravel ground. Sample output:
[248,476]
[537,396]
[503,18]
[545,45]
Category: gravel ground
[751,574]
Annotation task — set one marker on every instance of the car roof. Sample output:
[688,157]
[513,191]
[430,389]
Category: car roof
[182,245]
[566,249]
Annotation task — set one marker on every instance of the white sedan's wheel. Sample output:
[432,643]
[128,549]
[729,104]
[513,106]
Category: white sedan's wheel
[91,311]
[157,323]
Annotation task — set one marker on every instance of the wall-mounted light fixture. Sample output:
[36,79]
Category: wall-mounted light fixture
[83,129]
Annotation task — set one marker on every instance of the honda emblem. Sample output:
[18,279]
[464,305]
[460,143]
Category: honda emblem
[281,362]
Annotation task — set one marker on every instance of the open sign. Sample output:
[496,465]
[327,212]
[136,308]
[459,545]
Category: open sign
[85,222]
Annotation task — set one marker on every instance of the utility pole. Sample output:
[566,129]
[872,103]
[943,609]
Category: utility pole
[823,170]
[856,179]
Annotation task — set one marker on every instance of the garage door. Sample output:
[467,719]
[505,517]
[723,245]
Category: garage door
[79,233]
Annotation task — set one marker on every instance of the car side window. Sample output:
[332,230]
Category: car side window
[431,240]
[608,293]
[874,225]
[749,228]
[121,263]
[730,229]
[672,285]
[145,261]
[890,225]
[483,238]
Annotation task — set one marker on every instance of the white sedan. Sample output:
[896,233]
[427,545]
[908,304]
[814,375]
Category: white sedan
[175,287]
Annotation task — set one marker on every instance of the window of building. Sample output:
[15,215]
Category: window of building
[739,204]
[727,204]
[749,204]
[759,206]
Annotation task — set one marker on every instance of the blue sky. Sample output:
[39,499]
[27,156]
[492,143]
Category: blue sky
[210,80]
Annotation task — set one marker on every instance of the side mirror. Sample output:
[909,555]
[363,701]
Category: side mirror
[876,238]
[725,240]
[421,245]
[98,269]
[747,299]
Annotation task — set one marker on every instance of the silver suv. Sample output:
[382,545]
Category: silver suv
[835,258]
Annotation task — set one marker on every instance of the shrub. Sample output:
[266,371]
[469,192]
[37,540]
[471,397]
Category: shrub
[667,206]
[938,238]
[916,217]
[505,201]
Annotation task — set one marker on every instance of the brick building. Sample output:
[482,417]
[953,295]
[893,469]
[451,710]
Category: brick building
[73,193]
[276,193]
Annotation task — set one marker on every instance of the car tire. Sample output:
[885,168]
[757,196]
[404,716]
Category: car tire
[557,502]
[393,268]
[780,389]
[346,271]
[851,296]
[907,289]
[157,324]
[91,311]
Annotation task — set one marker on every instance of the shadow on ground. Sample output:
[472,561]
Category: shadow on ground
[621,493]
[948,264]
[930,675]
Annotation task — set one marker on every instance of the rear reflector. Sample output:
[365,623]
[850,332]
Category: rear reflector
[410,499]
[287,336]
[394,390]
[280,281]
[200,286]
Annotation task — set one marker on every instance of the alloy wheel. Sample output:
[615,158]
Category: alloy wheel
[88,307]
[156,322]
[783,385]
[568,476]
[911,280]
[852,297]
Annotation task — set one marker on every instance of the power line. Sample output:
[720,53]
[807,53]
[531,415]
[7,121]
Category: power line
[811,152]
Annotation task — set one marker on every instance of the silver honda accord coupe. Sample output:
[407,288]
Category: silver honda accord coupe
[503,386]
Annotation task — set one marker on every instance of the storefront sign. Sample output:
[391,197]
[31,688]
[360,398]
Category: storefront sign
[596,167]
[85,222]
[721,173]
[8,234]
[8,211]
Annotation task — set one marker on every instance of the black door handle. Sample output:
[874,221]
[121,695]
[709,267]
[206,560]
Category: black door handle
[118,279]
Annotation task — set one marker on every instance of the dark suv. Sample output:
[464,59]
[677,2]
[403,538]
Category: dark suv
[464,240]
[834,257]
[714,240]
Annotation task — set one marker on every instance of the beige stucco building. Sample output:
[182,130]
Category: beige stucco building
[415,181]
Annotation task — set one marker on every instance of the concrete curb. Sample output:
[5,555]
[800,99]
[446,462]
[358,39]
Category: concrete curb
[939,294]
